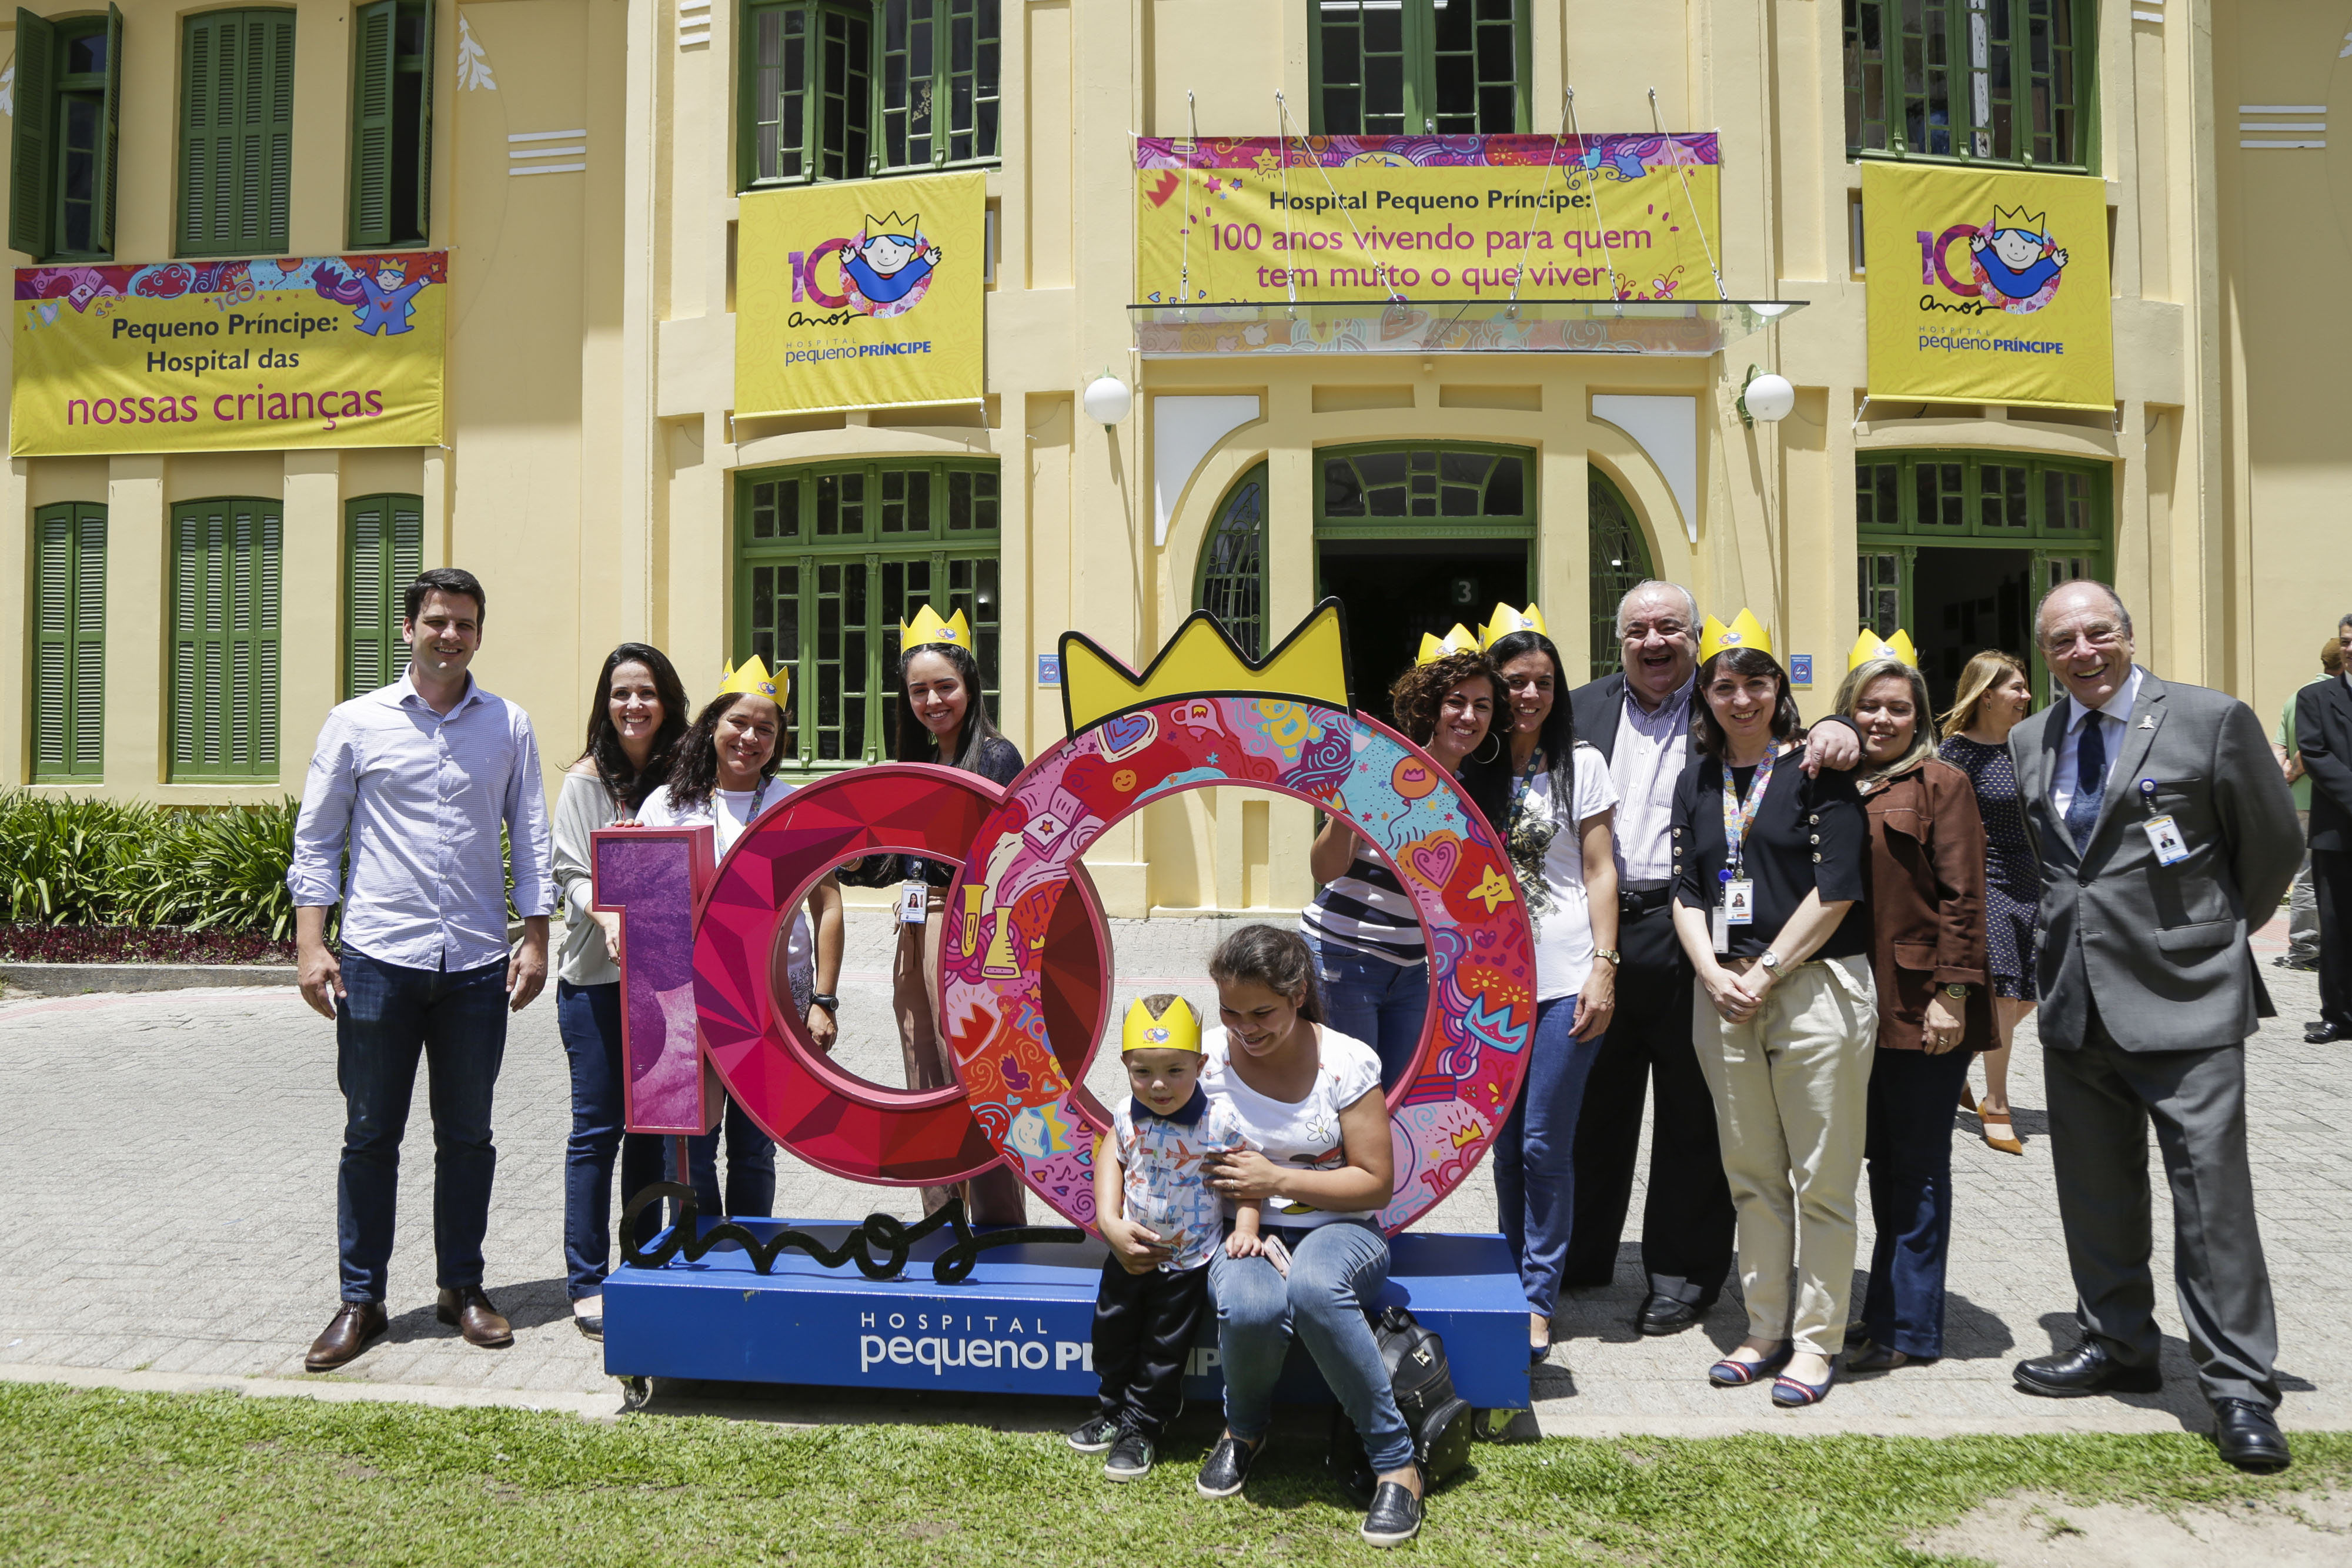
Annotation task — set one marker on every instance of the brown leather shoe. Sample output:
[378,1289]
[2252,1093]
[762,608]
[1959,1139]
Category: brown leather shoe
[356,1326]
[470,1311]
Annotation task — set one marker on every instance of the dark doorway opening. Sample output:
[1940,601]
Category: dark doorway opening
[1396,589]
[1964,601]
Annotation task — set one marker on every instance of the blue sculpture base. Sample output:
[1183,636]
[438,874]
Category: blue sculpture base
[1022,1324]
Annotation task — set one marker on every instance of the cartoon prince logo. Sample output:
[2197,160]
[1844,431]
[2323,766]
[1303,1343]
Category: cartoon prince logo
[2017,263]
[887,269]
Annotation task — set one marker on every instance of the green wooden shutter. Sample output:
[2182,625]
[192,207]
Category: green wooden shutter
[371,124]
[70,642]
[386,553]
[425,130]
[109,131]
[224,626]
[236,131]
[29,171]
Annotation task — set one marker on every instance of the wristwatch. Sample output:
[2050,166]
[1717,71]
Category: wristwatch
[831,1004]
[1610,953]
[1958,992]
[1770,961]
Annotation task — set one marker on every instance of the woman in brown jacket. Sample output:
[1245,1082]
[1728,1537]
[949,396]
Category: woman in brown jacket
[1928,956]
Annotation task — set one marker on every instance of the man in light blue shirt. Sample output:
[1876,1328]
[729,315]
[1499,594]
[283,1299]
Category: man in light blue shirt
[415,781]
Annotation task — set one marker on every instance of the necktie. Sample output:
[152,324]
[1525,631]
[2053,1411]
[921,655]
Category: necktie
[2090,781]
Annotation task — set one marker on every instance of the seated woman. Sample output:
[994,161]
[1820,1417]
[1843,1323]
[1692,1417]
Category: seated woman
[1928,953]
[1308,1100]
[1771,869]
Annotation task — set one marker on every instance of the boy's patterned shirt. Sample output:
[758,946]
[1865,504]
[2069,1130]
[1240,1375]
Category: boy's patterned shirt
[1167,1190]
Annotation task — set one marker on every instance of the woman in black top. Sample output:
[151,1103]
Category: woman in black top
[1771,871]
[942,718]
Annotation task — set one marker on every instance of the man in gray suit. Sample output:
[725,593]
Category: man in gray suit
[2164,833]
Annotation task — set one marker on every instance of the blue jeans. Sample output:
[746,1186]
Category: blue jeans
[589,1019]
[1378,1002]
[387,1017]
[1336,1270]
[1909,1146]
[1535,1153]
[750,1167]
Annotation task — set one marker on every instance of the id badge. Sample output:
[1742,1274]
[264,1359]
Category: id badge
[1722,931]
[914,900]
[1740,902]
[2164,836]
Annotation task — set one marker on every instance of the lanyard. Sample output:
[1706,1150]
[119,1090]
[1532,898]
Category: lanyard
[1739,816]
[1524,783]
[718,817]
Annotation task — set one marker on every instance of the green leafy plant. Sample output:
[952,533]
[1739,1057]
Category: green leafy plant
[109,862]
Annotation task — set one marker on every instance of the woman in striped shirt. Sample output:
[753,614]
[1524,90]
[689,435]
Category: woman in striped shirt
[1371,963]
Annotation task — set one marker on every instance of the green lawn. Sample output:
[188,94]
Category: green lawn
[99,1477]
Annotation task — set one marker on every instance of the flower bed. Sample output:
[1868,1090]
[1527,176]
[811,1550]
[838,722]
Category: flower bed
[137,944]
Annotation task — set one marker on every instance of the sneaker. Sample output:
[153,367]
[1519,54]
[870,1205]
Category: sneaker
[1395,1517]
[1227,1467]
[1095,1436]
[1131,1458]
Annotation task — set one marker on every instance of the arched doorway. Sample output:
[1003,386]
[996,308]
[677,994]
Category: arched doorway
[1619,559]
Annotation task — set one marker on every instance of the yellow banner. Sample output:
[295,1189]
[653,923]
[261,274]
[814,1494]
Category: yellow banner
[184,356]
[1988,285]
[860,294]
[1329,218]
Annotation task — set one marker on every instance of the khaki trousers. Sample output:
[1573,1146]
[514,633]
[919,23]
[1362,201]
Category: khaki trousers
[1791,1091]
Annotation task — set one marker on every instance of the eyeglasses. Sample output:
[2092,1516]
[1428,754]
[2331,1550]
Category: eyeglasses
[1636,629]
[2099,638]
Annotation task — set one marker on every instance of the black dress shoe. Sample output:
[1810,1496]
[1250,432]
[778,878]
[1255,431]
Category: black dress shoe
[2323,1033]
[1227,1467]
[593,1326]
[1661,1314]
[2086,1369]
[1395,1517]
[355,1326]
[2248,1435]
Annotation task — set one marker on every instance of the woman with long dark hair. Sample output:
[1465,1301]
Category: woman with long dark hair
[1368,954]
[1561,805]
[634,721]
[942,718]
[724,777]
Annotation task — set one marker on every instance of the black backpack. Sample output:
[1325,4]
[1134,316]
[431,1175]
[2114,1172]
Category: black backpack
[1423,1383]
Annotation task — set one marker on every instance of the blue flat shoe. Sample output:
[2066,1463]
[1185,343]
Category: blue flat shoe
[1791,1394]
[1731,1374]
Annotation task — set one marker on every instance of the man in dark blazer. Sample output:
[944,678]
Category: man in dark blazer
[2165,833]
[2323,734]
[1639,720]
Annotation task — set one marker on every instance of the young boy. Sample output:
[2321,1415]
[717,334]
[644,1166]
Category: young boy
[1153,1205]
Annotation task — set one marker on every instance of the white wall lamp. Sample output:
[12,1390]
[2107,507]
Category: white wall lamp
[1107,399]
[1767,397]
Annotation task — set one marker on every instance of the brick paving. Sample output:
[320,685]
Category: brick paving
[172,1159]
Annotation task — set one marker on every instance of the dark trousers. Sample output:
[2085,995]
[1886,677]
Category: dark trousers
[750,1167]
[1144,1328]
[387,1019]
[1687,1220]
[2102,1099]
[1909,1146]
[589,1019]
[2331,886]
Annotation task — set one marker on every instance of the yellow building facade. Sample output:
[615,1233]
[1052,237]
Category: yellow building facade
[598,479]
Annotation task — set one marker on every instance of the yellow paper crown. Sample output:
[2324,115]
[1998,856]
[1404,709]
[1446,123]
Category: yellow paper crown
[1871,645]
[750,677]
[1745,632]
[1178,1028]
[2018,218]
[1458,641]
[927,627]
[1507,621]
[1201,659]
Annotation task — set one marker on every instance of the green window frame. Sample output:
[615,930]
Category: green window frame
[1231,582]
[831,557]
[1411,68]
[392,124]
[225,565]
[842,89]
[237,133]
[384,550]
[1620,558]
[1422,489]
[1978,81]
[70,643]
[68,111]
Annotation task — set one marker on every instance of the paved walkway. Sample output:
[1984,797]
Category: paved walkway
[172,1159]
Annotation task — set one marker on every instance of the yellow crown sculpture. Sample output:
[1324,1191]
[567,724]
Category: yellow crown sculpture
[1745,632]
[2018,218]
[1178,1028]
[927,627]
[1507,621]
[750,677]
[1201,659]
[1871,645]
[1458,641]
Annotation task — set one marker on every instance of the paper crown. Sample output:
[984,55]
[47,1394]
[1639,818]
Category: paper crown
[1745,632]
[1201,659]
[1458,641]
[2020,219]
[749,677]
[1507,621]
[1178,1028]
[1871,645]
[927,627]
